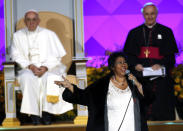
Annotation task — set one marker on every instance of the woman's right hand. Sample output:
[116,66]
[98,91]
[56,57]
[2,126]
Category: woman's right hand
[65,84]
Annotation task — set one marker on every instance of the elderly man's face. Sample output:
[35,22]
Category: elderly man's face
[150,15]
[31,21]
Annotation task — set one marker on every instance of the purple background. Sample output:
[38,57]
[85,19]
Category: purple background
[2,35]
[107,22]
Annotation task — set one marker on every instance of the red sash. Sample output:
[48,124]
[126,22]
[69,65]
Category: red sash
[150,53]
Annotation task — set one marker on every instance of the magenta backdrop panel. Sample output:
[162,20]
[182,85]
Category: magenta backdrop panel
[2,35]
[107,23]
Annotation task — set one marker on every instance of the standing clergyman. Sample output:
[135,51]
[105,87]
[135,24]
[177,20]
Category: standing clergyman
[153,45]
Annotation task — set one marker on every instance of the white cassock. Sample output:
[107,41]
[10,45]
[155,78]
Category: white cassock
[41,48]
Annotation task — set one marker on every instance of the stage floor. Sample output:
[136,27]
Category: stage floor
[165,125]
[153,126]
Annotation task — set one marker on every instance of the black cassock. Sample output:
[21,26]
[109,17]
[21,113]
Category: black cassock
[154,46]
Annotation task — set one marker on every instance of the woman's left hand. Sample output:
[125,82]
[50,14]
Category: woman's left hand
[131,77]
[136,82]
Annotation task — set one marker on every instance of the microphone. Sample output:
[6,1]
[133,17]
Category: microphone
[127,72]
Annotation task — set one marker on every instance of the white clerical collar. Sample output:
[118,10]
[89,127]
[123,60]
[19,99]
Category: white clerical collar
[151,26]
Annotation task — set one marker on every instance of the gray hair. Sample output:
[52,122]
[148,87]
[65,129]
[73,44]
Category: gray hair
[148,4]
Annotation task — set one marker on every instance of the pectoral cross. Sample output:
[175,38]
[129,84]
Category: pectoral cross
[147,52]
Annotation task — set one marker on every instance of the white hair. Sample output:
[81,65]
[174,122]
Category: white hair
[148,4]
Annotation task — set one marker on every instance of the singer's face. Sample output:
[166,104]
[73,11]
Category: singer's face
[120,66]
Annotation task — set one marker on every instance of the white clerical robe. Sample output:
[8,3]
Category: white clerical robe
[41,48]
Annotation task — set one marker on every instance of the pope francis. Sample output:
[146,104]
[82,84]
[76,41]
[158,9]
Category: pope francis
[38,52]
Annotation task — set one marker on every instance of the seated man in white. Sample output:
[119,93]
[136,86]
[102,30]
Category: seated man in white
[38,52]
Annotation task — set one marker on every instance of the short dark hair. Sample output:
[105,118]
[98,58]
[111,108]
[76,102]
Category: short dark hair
[112,59]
